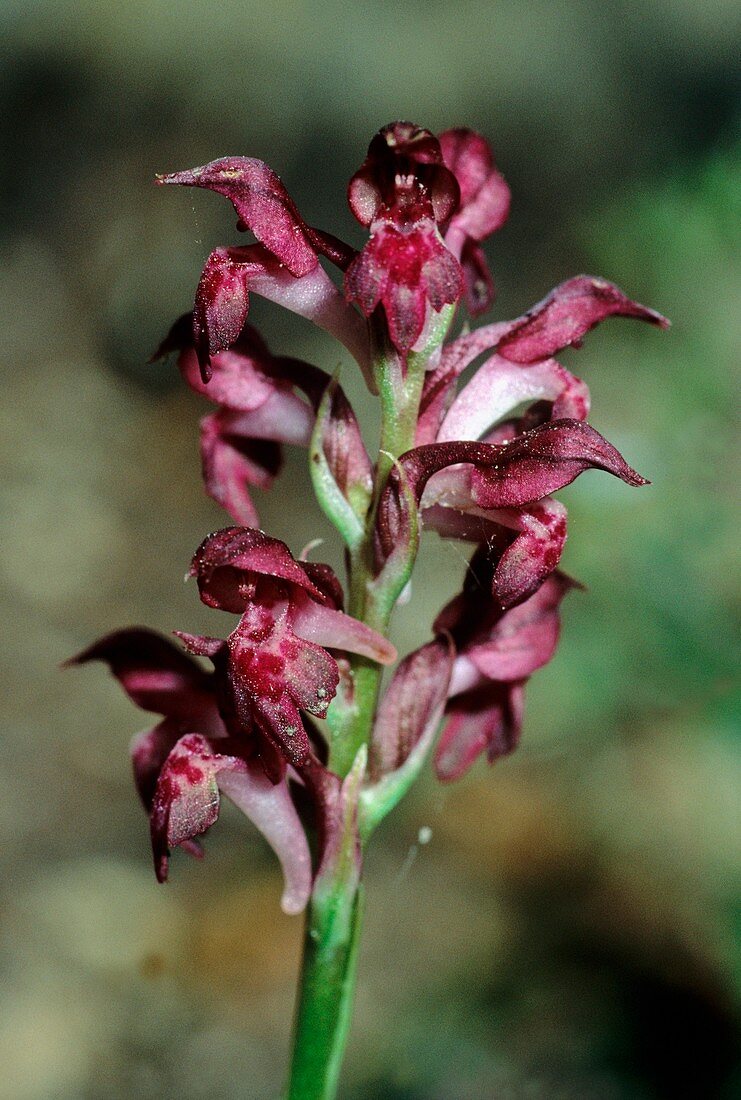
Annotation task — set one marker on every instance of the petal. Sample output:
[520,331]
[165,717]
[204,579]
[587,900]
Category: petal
[402,157]
[524,638]
[226,561]
[186,799]
[283,416]
[222,303]
[273,671]
[499,386]
[270,808]
[149,750]
[262,205]
[238,379]
[412,706]
[232,464]
[489,719]
[221,306]
[187,802]
[336,630]
[566,316]
[533,554]
[543,460]
[439,384]
[485,196]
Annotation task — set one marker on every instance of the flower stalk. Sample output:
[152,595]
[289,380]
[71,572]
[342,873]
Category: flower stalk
[285,715]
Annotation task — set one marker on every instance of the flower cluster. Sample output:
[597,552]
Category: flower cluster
[286,722]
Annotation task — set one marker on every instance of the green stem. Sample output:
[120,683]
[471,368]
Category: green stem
[325,1003]
[334,918]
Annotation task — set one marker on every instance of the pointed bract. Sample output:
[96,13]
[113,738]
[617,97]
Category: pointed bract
[412,705]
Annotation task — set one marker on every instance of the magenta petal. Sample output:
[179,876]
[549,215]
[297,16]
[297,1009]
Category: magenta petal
[238,378]
[224,562]
[222,302]
[274,672]
[499,386]
[186,804]
[412,706]
[149,750]
[567,315]
[232,464]
[543,460]
[525,637]
[262,205]
[402,158]
[487,720]
[405,270]
[221,306]
[534,553]
[186,799]
[439,385]
[270,808]
[485,196]
[284,417]
[336,630]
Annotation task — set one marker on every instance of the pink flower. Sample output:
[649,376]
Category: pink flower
[283,266]
[466,488]
[497,652]
[276,658]
[183,763]
[506,503]
[401,193]
[258,411]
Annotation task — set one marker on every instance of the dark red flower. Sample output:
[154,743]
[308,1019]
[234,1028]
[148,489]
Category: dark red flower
[402,192]
[560,320]
[497,652]
[183,762]
[403,160]
[283,266]
[467,489]
[259,410]
[277,657]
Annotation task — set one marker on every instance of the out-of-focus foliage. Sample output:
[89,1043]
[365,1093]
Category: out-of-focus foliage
[569,930]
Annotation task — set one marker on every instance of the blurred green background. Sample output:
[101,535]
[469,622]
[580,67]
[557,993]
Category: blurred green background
[569,930]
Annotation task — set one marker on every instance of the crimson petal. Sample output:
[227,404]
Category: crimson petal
[543,460]
[566,315]
[262,205]
[226,563]
[487,720]
[154,673]
[186,804]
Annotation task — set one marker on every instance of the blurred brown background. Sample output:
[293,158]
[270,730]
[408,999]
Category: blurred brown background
[569,930]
